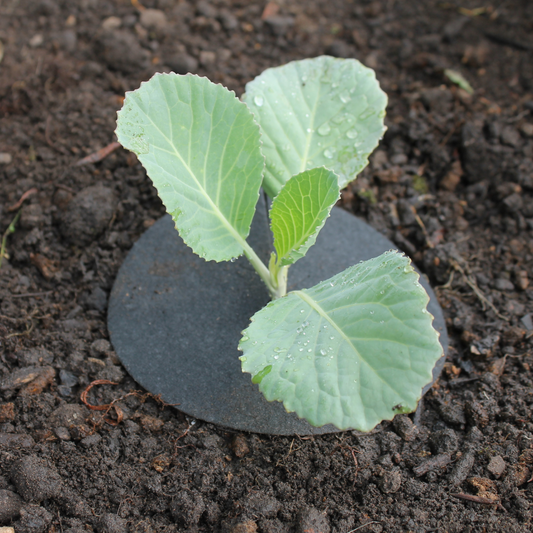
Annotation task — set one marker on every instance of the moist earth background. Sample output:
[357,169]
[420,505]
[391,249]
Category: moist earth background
[451,184]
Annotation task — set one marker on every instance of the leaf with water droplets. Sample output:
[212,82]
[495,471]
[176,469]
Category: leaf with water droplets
[299,212]
[317,107]
[377,352]
[201,148]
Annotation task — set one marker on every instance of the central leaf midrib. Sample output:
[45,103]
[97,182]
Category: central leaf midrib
[303,238]
[310,133]
[316,306]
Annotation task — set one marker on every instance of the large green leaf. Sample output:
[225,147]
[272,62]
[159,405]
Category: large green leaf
[201,148]
[299,212]
[317,112]
[352,351]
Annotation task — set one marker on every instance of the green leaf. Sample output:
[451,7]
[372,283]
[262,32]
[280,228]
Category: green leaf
[299,212]
[317,112]
[352,351]
[456,77]
[201,148]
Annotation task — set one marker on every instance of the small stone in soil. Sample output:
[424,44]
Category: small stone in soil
[62,433]
[522,280]
[390,481]
[279,25]
[34,480]
[512,336]
[207,58]
[476,414]
[462,469]
[513,203]
[310,520]
[182,63]
[67,415]
[261,504]
[240,446]
[510,136]
[452,413]
[229,20]
[111,23]
[10,505]
[112,523]
[496,466]
[68,379]
[244,527]
[88,214]
[7,412]
[405,428]
[206,9]
[153,19]
[33,519]
[91,440]
[527,129]
[95,300]
[444,441]
[121,50]
[5,158]
[527,320]
[100,347]
[31,216]
[503,284]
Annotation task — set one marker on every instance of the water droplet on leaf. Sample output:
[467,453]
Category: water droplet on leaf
[345,97]
[258,100]
[324,129]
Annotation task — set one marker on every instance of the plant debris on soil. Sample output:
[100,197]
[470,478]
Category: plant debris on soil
[451,184]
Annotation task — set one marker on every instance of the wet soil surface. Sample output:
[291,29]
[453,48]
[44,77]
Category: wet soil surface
[451,185]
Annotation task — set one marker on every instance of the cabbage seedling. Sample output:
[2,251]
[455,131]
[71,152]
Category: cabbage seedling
[355,349]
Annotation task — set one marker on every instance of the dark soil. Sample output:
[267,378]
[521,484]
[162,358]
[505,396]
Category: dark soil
[451,185]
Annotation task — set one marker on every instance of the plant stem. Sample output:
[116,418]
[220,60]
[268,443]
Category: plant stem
[274,277]
[259,267]
[281,280]
[278,277]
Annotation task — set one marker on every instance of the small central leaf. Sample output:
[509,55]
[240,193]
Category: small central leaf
[352,351]
[299,212]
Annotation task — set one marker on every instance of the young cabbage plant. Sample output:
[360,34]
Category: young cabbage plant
[355,349]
